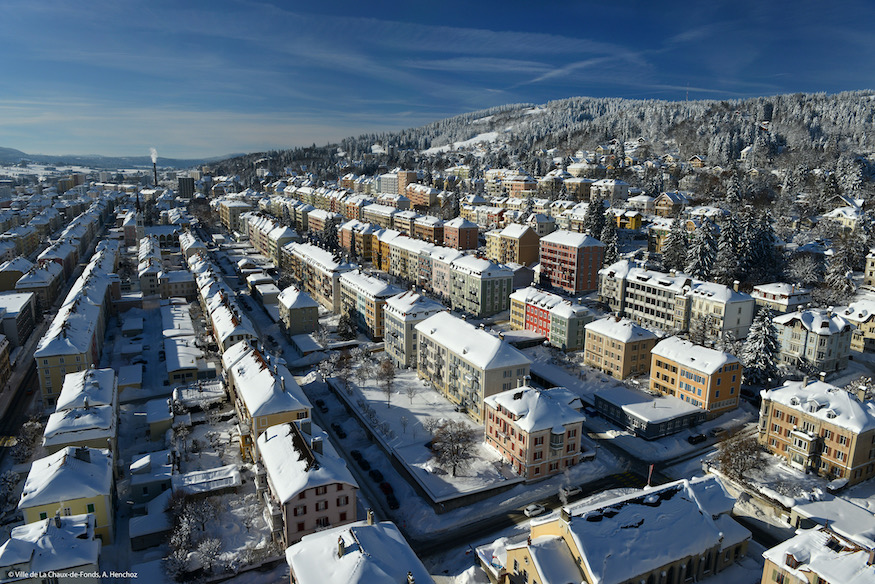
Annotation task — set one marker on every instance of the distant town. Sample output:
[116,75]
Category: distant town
[587,368]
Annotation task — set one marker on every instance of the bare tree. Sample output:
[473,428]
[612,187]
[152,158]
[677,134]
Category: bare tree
[365,369]
[343,371]
[181,432]
[208,550]
[739,454]
[404,421]
[453,444]
[386,376]
[411,389]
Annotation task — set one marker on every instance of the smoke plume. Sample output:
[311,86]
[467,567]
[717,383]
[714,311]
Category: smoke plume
[154,154]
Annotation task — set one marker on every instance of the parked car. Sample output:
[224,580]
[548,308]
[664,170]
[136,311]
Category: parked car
[364,464]
[338,429]
[533,510]
[376,476]
[392,501]
[138,361]
[570,491]
[321,405]
[717,432]
[386,488]
[697,438]
[356,455]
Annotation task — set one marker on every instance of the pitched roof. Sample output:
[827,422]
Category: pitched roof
[66,476]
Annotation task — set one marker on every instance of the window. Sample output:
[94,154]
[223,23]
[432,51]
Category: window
[89,508]
[321,490]
[299,510]
[300,526]
[342,501]
[321,505]
[43,515]
[322,522]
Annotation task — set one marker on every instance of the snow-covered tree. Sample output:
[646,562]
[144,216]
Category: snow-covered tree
[726,264]
[702,252]
[760,352]
[806,269]
[674,248]
[386,376]
[347,326]
[840,273]
[454,444]
[594,219]
[608,236]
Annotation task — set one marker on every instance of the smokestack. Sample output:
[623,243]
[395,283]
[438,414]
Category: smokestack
[155,173]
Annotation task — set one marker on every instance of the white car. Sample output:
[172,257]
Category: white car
[569,491]
[533,510]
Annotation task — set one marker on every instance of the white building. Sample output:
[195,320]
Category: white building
[781,297]
[402,312]
[817,339]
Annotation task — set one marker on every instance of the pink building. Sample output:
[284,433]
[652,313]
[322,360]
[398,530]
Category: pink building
[571,261]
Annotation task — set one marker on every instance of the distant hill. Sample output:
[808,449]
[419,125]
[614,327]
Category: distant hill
[12,156]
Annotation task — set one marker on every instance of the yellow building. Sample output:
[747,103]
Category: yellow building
[619,347]
[707,378]
[818,556]
[230,211]
[264,393]
[72,481]
[675,533]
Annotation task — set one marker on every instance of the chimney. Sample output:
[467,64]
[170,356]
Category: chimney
[316,445]
[871,559]
[58,519]
[805,381]
[410,579]
[82,453]
[735,284]
[155,173]
[566,517]
[822,376]
[283,382]
[306,426]
[341,547]
[370,516]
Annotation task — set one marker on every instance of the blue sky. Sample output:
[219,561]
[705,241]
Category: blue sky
[198,78]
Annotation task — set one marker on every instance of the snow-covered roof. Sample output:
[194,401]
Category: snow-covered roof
[265,387]
[206,481]
[571,239]
[859,311]
[691,356]
[717,293]
[824,553]
[92,387]
[460,223]
[293,298]
[79,424]
[825,402]
[821,322]
[620,329]
[653,409]
[372,553]
[181,353]
[842,516]
[293,466]
[45,546]
[18,264]
[370,286]
[412,306]
[474,266]
[67,475]
[535,409]
[780,289]
[515,230]
[473,345]
[641,532]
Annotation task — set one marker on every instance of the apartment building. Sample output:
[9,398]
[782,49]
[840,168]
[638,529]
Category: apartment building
[815,339]
[429,229]
[44,282]
[559,319]
[610,189]
[819,428]
[706,378]
[317,219]
[723,312]
[357,238]
[380,215]
[305,483]
[869,271]
[460,233]
[298,312]
[861,315]
[230,211]
[618,347]
[364,296]
[674,533]
[537,432]
[780,297]
[466,364]
[818,555]
[402,313]
[515,243]
[571,261]
[479,287]
[317,271]
[264,393]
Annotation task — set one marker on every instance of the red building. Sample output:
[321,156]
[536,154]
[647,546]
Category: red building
[461,234]
[571,261]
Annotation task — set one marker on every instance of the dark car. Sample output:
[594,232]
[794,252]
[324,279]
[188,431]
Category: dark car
[321,405]
[376,476]
[392,501]
[338,429]
[386,488]
[697,438]
[356,455]
[364,464]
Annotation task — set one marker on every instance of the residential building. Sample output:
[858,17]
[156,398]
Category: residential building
[318,272]
[861,315]
[707,378]
[817,556]
[73,481]
[299,313]
[86,412]
[429,229]
[44,282]
[17,316]
[460,233]
[515,243]
[364,296]
[5,366]
[670,204]
[230,211]
[264,393]
[305,483]
[363,552]
[537,432]
[610,189]
[618,347]
[402,313]
[815,339]
[64,546]
[571,261]
[561,320]
[720,311]
[479,287]
[817,427]
[12,270]
[646,416]
[869,272]
[780,297]
[465,363]
[683,532]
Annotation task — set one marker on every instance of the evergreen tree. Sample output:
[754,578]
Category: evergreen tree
[330,238]
[726,265]
[760,351]
[594,220]
[674,248]
[766,261]
[839,273]
[747,231]
[733,193]
[609,238]
[702,252]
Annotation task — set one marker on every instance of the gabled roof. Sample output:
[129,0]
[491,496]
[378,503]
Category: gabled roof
[821,322]
[265,387]
[44,546]
[537,410]
[691,356]
[825,402]
[474,345]
[65,476]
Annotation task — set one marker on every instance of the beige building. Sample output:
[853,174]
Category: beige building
[230,211]
[818,556]
[402,312]
[515,243]
[820,428]
[365,296]
[618,347]
[298,312]
[465,363]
